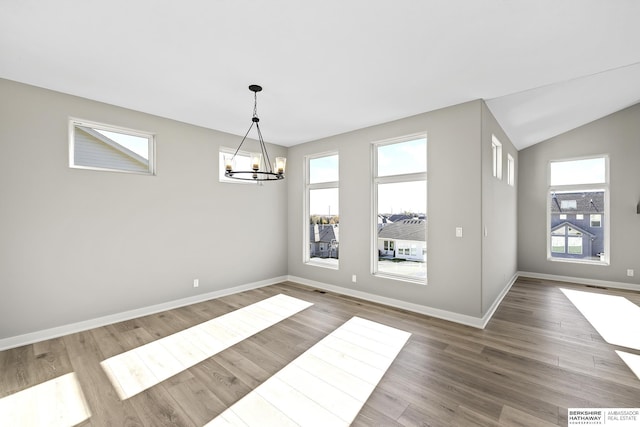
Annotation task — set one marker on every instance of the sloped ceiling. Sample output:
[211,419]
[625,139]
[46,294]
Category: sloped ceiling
[544,66]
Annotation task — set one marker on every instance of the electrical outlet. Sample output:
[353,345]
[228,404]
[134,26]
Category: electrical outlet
[353,278]
[196,283]
[630,272]
[458,231]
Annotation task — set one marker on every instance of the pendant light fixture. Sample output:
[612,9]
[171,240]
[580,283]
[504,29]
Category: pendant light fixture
[260,163]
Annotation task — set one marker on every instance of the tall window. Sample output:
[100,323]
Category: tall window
[579,189]
[109,148]
[322,206]
[496,154]
[400,209]
[511,170]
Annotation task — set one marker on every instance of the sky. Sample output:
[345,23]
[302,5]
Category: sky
[137,144]
[583,171]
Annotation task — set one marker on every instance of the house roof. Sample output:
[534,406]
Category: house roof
[586,202]
[113,144]
[407,229]
[324,233]
[575,227]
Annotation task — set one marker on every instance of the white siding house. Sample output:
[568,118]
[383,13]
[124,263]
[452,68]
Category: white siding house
[405,239]
[94,150]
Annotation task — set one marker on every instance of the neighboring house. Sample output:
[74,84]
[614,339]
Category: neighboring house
[405,239]
[577,224]
[324,241]
[93,149]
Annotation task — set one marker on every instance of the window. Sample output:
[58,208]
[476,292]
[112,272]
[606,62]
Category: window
[109,148]
[566,240]
[242,162]
[496,154]
[399,236]
[511,170]
[579,187]
[322,204]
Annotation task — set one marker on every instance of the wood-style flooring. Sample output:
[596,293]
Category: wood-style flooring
[537,357]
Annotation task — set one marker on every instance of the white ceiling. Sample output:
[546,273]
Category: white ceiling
[328,67]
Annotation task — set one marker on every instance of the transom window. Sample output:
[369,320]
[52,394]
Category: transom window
[104,147]
[241,162]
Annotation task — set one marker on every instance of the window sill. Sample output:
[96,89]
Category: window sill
[332,264]
[578,261]
[415,280]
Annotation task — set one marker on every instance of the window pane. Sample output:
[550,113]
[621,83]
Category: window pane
[323,169]
[324,221]
[557,244]
[578,239]
[241,162]
[402,158]
[402,222]
[574,245]
[572,172]
[95,147]
[409,198]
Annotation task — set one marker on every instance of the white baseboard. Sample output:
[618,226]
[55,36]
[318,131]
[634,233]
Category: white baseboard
[581,281]
[476,322]
[489,314]
[30,338]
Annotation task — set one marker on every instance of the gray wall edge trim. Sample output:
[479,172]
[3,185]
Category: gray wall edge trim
[32,337]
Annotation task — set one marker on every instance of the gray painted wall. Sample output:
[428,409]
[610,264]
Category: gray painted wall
[617,135]
[456,151]
[78,244]
[499,215]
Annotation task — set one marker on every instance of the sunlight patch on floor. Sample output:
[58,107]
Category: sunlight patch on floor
[615,318]
[143,367]
[55,403]
[632,361]
[325,386]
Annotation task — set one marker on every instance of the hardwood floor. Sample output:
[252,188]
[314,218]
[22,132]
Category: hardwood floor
[537,357]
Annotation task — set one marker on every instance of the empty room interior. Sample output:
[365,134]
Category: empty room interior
[287,213]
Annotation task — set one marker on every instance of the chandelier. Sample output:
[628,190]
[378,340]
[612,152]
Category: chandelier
[260,163]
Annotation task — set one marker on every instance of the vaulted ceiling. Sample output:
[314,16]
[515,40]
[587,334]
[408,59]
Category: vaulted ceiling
[328,67]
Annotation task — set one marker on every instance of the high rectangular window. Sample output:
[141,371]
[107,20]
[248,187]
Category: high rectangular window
[399,235]
[322,210]
[511,170]
[104,147]
[578,188]
[241,162]
[496,157]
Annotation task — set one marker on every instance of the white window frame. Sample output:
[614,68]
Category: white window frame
[151,147]
[496,156]
[335,265]
[511,170]
[226,151]
[389,179]
[606,257]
